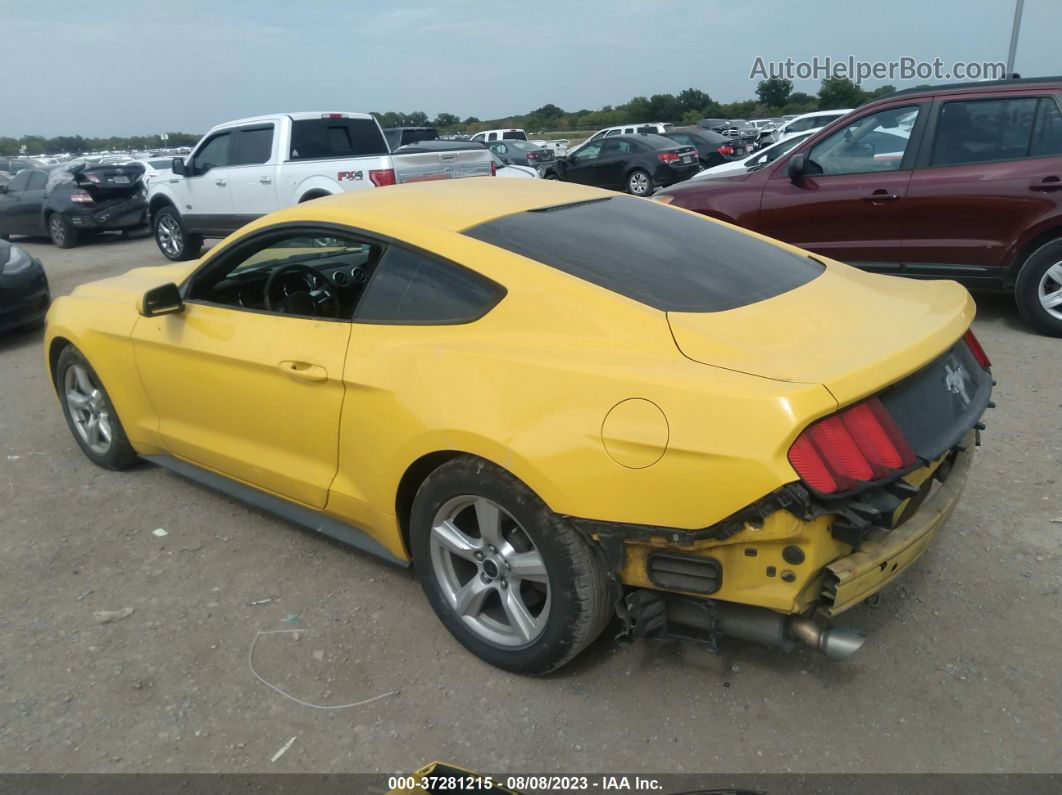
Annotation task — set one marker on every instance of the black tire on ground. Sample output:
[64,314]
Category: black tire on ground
[579,603]
[118,453]
[172,237]
[551,175]
[639,183]
[1040,276]
[61,232]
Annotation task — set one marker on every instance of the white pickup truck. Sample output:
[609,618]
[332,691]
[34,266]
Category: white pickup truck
[244,169]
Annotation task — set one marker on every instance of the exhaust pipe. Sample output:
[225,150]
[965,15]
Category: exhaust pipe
[766,627]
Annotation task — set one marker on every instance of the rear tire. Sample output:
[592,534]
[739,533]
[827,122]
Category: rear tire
[89,413]
[173,238]
[1038,290]
[63,235]
[525,592]
[639,183]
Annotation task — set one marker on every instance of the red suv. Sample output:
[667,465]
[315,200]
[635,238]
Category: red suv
[958,182]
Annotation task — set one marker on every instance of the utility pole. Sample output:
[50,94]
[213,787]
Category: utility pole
[1019,5]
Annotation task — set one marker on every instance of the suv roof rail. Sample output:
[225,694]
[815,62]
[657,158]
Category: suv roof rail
[970,85]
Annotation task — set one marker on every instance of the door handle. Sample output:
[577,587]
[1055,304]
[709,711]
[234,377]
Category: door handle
[265,180]
[1047,184]
[880,195]
[304,371]
[219,182]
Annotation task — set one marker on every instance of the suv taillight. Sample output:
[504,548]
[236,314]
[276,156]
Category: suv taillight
[382,176]
[976,349]
[853,448]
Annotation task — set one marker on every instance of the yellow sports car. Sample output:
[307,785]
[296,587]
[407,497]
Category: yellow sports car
[559,404]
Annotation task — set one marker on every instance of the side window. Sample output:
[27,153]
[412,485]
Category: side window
[1047,133]
[501,149]
[799,126]
[254,145]
[589,152]
[985,130]
[610,133]
[20,182]
[306,274]
[492,137]
[875,142]
[477,137]
[213,154]
[597,135]
[38,179]
[414,288]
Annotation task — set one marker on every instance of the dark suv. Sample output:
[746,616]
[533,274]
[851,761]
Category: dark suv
[958,182]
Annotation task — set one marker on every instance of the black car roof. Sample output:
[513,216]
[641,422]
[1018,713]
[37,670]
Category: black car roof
[658,141]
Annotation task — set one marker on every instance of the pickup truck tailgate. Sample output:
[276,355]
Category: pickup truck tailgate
[431,160]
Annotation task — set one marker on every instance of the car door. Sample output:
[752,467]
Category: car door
[993,169]
[254,193]
[11,219]
[248,392]
[31,204]
[849,203]
[208,205]
[582,164]
[612,163]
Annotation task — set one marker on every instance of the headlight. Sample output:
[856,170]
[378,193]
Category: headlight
[17,262]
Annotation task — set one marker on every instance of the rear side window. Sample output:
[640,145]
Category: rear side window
[1047,134]
[254,146]
[413,288]
[316,139]
[515,135]
[985,130]
[669,260]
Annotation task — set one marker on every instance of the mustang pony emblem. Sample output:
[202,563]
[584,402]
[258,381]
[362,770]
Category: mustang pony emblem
[955,381]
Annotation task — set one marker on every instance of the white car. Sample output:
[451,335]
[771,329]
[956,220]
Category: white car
[155,168]
[504,169]
[646,128]
[509,134]
[807,122]
[760,158]
[244,169]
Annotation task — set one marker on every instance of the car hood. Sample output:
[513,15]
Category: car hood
[850,331]
[133,284]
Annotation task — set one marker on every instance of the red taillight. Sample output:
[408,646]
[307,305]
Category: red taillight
[493,169]
[668,157]
[382,176]
[859,445]
[333,115]
[725,150]
[976,349]
[80,197]
[532,155]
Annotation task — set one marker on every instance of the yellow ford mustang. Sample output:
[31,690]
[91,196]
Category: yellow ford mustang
[557,403]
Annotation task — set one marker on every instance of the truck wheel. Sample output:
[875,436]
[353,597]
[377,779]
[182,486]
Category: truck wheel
[516,584]
[61,232]
[172,238]
[1038,290]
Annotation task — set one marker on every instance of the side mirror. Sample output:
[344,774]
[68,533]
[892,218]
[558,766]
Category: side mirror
[177,166]
[797,164]
[505,160]
[164,300]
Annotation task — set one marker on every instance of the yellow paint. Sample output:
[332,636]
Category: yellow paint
[331,415]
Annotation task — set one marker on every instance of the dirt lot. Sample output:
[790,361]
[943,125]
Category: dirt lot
[960,672]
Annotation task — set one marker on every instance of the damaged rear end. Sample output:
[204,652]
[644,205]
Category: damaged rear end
[99,196]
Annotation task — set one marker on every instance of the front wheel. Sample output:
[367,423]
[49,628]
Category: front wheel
[172,238]
[639,183]
[514,583]
[1038,290]
[61,232]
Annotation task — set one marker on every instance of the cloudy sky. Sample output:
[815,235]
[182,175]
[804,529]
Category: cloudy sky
[121,67]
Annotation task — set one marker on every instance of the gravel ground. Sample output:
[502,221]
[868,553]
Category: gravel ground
[960,672]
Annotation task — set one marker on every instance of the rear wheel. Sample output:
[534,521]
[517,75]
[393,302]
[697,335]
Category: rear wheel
[89,412]
[173,238]
[1038,290]
[61,232]
[639,183]
[513,582]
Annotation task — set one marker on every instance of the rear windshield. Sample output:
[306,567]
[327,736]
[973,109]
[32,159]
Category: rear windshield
[514,135]
[313,139]
[667,259]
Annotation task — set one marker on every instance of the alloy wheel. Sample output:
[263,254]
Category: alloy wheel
[1050,291]
[639,183]
[88,409]
[169,236]
[57,230]
[489,571]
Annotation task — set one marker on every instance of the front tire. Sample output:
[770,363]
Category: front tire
[63,235]
[513,582]
[89,413]
[173,238]
[639,183]
[1038,290]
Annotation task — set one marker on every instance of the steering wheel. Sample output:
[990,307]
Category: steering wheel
[317,300]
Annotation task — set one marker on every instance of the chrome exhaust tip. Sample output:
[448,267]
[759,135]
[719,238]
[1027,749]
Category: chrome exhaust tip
[836,643]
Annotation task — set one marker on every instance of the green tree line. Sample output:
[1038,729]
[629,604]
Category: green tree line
[774,97]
